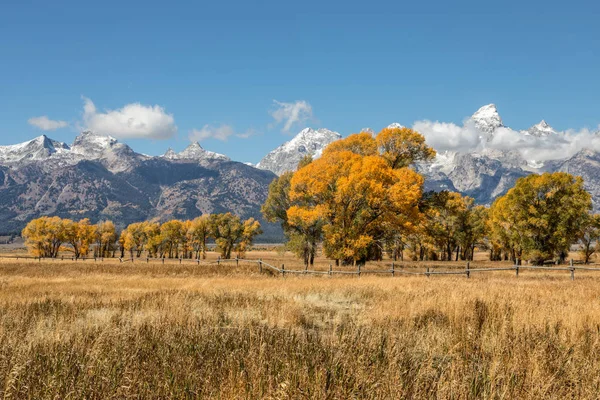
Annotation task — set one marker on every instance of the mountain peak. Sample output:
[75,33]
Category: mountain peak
[195,152]
[169,154]
[540,129]
[487,119]
[39,148]
[308,141]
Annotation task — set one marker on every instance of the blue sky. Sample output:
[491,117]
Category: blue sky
[216,68]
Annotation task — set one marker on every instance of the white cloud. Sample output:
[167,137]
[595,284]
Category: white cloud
[221,132]
[451,137]
[444,136]
[245,135]
[133,121]
[46,124]
[291,114]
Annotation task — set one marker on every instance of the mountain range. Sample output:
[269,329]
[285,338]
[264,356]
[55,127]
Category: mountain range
[98,177]
[484,172]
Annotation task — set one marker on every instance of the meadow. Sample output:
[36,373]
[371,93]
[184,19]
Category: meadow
[136,330]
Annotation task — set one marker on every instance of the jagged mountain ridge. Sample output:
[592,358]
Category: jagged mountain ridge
[485,173]
[99,178]
[287,156]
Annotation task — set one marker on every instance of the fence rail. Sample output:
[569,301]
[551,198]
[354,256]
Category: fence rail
[262,265]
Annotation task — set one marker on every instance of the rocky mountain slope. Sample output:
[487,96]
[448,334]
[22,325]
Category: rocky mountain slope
[489,172]
[99,178]
[287,156]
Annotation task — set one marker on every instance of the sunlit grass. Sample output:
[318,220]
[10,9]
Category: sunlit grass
[111,330]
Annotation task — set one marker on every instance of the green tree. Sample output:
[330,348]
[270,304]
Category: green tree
[172,234]
[227,229]
[303,238]
[198,234]
[590,236]
[251,229]
[543,215]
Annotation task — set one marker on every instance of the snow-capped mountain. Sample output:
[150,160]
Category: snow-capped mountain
[483,173]
[195,152]
[487,120]
[39,148]
[287,156]
[98,177]
[540,130]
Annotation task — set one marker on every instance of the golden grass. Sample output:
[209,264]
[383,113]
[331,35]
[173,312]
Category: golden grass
[111,330]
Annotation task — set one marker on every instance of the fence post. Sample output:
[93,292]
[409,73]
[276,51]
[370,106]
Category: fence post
[163,260]
[305,268]
[330,270]
[572,271]
[147,260]
[283,270]
[260,265]
[180,260]
[517,268]
[427,273]
[359,270]
[468,272]
[237,262]
[393,271]
[219,260]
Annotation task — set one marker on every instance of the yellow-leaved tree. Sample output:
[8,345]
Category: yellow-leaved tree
[541,216]
[44,236]
[356,195]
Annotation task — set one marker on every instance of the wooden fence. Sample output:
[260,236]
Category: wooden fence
[262,265]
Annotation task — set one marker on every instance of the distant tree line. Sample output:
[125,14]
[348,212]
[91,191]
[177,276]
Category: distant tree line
[363,198]
[49,236]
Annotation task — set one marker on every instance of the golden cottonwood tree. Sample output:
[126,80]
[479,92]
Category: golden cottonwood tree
[251,229]
[353,194]
[230,233]
[542,216]
[304,234]
[44,236]
[106,235]
[359,143]
[401,147]
[197,235]
[590,236]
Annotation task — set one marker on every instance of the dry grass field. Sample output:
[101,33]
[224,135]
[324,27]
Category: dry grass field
[111,330]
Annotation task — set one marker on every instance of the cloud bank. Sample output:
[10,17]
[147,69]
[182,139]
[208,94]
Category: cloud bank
[46,124]
[468,139]
[133,121]
[290,114]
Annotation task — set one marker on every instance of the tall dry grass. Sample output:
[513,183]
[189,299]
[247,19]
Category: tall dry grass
[110,330]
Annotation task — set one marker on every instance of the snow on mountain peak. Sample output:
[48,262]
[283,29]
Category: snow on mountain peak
[540,129]
[487,119]
[195,152]
[91,145]
[170,154]
[39,148]
[307,142]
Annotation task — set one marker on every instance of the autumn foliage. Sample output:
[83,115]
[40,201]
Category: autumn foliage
[48,236]
[363,199]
